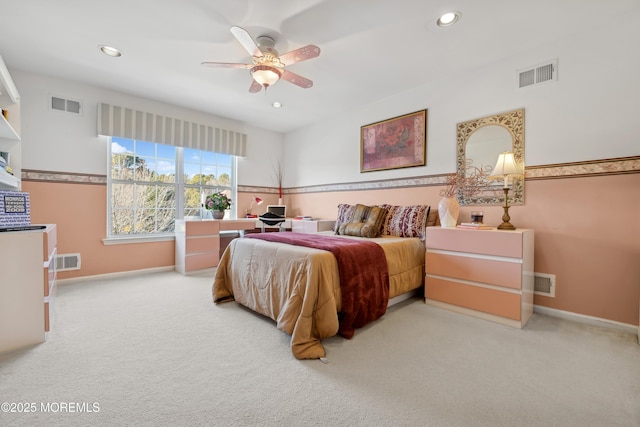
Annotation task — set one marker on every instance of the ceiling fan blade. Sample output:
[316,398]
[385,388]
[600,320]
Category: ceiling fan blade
[255,87]
[226,65]
[297,79]
[302,54]
[246,41]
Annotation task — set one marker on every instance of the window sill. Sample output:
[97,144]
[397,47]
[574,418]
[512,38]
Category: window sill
[107,241]
[137,239]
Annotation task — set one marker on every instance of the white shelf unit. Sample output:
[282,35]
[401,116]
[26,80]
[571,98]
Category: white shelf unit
[10,129]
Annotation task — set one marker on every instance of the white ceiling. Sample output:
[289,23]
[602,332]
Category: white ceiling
[370,48]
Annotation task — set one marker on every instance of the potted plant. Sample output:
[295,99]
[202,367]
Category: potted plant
[217,203]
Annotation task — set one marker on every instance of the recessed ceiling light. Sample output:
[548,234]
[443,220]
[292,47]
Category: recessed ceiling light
[276,104]
[111,51]
[448,19]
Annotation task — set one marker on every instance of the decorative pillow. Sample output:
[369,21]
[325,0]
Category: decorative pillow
[367,222]
[345,214]
[406,221]
[433,219]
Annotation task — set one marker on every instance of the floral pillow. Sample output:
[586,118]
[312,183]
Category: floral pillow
[405,221]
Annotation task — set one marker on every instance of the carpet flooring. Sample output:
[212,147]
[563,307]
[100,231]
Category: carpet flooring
[153,350]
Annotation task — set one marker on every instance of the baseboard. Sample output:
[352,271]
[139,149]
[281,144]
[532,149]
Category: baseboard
[589,320]
[116,275]
[403,297]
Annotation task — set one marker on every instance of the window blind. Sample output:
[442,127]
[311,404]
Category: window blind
[127,123]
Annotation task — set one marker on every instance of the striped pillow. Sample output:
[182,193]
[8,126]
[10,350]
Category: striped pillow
[406,221]
[345,214]
[366,222]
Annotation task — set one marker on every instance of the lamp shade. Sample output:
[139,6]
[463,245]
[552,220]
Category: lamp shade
[265,75]
[506,166]
[257,200]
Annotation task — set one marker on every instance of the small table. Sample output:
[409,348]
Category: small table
[198,241]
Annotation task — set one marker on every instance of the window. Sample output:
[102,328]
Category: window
[205,173]
[151,185]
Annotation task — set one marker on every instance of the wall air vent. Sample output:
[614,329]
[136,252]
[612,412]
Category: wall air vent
[67,105]
[542,73]
[544,284]
[66,262]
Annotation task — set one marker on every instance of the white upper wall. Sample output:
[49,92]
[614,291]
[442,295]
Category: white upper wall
[58,141]
[589,113]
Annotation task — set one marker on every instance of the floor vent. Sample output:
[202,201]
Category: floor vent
[547,72]
[68,262]
[66,105]
[544,284]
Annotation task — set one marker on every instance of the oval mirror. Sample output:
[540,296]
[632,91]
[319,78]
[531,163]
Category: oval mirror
[479,142]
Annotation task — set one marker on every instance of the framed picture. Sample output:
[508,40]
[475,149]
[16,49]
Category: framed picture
[399,142]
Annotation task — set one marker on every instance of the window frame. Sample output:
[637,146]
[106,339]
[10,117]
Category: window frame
[179,188]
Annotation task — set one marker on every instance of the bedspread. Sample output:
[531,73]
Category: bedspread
[364,277]
[299,287]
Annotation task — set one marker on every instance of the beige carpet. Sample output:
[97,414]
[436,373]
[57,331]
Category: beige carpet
[154,351]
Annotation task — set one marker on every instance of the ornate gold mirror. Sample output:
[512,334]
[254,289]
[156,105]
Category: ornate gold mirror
[479,142]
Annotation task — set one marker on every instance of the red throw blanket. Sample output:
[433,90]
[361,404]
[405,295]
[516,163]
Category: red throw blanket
[364,275]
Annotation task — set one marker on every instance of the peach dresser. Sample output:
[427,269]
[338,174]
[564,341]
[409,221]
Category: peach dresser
[483,273]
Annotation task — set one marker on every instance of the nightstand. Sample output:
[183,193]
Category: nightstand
[483,273]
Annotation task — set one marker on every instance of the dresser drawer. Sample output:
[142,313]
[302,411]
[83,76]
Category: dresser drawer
[487,242]
[201,228]
[50,237]
[499,303]
[491,271]
[47,316]
[194,245]
[201,261]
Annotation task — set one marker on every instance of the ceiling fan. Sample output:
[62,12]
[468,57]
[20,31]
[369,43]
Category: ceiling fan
[268,66]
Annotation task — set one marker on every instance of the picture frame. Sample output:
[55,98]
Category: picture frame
[398,142]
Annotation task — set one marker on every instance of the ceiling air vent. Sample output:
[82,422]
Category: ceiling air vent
[66,105]
[537,74]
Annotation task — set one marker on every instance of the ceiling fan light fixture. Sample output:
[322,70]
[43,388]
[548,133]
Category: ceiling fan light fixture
[265,75]
[448,19]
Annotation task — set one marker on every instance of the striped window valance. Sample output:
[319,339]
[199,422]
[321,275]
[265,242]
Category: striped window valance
[132,124]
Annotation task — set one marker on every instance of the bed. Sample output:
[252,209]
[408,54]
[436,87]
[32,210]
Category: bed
[300,288]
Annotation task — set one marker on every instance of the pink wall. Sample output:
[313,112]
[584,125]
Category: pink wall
[586,233]
[79,210]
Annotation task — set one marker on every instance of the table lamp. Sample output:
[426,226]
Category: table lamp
[256,201]
[506,167]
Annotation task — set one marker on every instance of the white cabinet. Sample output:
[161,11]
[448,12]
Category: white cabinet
[9,129]
[312,226]
[27,265]
[198,242]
